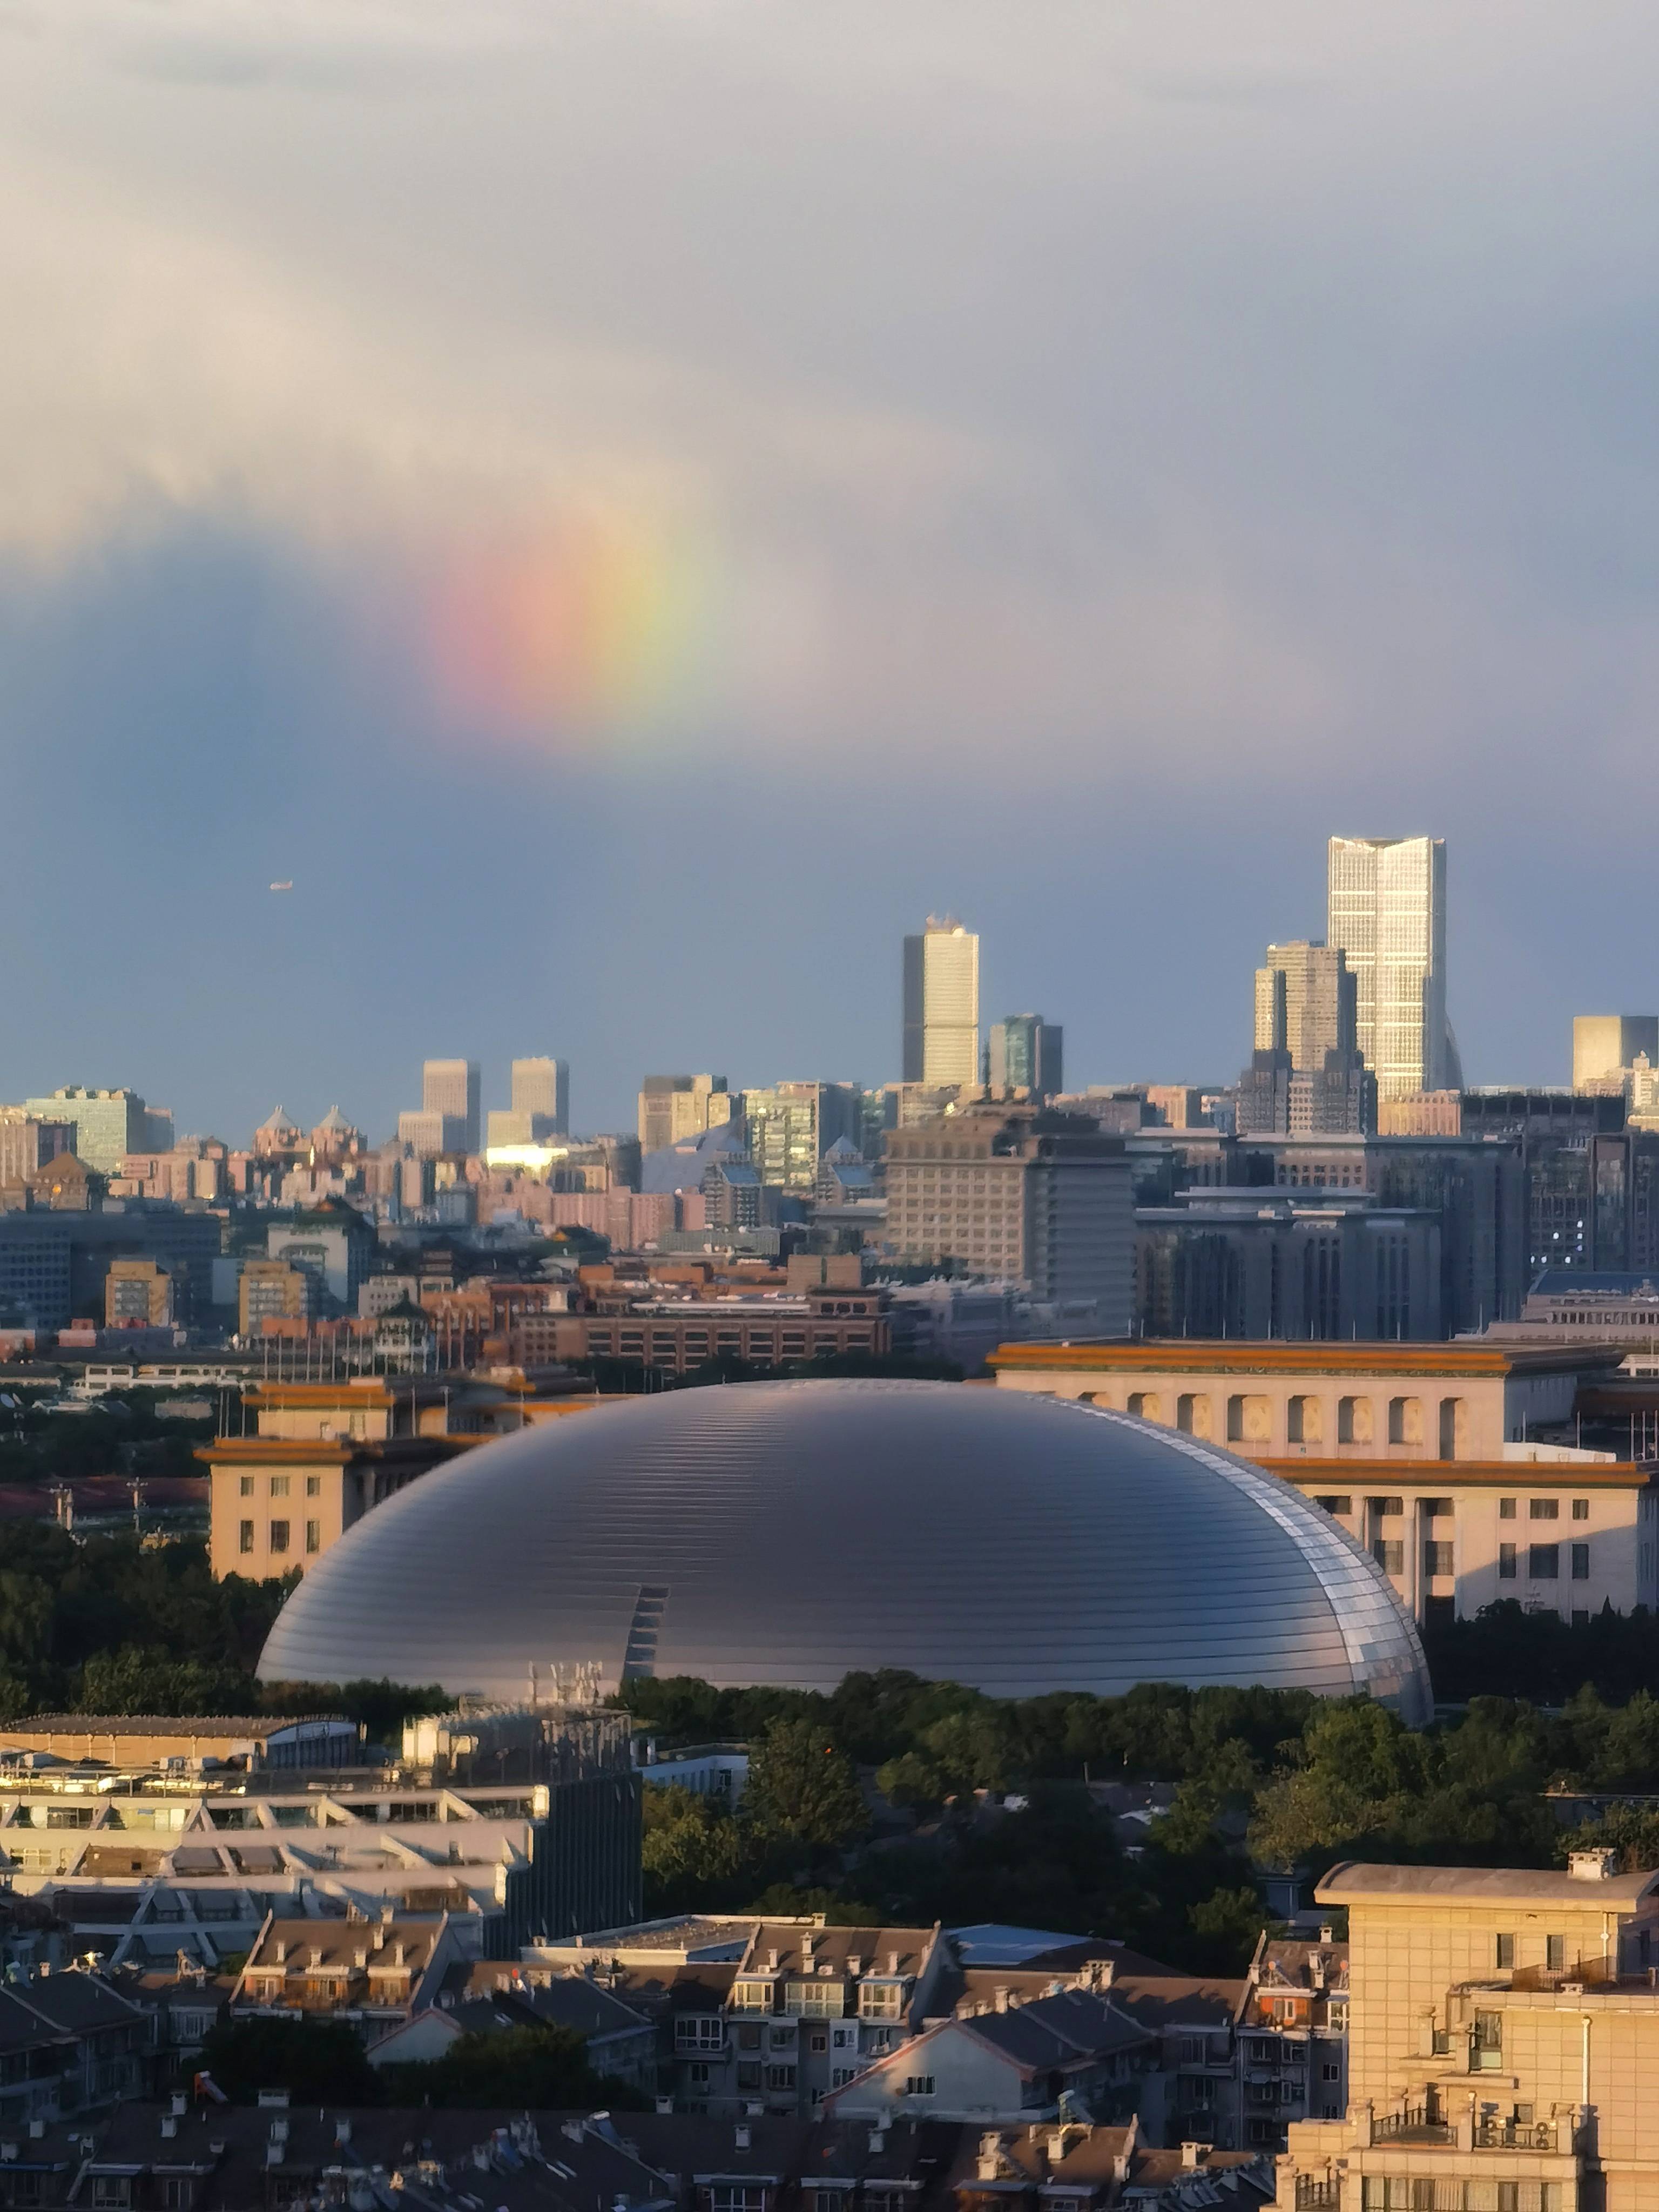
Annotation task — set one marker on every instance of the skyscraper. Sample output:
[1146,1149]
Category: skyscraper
[1305,1003]
[1305,1077]
[453,1087]
[1386,912]
[541,1088]
[941,1003]
[671,1107]
[1024,1052]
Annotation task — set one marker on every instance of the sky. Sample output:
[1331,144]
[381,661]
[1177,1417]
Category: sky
[628,505]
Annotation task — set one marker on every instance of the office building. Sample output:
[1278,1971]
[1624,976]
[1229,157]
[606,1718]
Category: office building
[431,1136]
[1386,913]
[452,1088]
[28,1143]
[54,1262]
[136,1292]
[1502,2026]
[674,1107]
[941,1003]
[1024,1052]
[332,1242]
[1605,1047]
[860,1525]
[1275,1098]
[789,1127]
[1306,1004]
[1020,1192]
[1579,1163]
[271,1289]
[1287,1265]
[540,1108]
[108,1124]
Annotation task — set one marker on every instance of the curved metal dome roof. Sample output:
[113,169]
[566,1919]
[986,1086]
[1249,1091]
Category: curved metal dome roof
[791,1532]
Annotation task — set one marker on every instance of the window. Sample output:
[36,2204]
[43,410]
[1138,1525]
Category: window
[1353,1421]
[1506,1563]
[1555,1953]
[1437,1560]
[1146,1406]
[1543,1562]
[1404,1420]
[1506,1508]
[820,2041]
[1386,1508]
[733,2197]
[245,1537]
[749,2038]
[279,1535]
[844,2038]
[314,1482]
[279,1485]
[780,2039]
[699,2032]
[1487,2044]
[1335,1505]
[1305,1421]
[1329,2070]
[752,1996]
[1505,1953]
[1581,1509]
[111,2188]
[779,2077]
[1391,1557]
[696,2074]
[918,2085]
[815,2000]
[313,1535]
[880,2000]
[841,2075]
[748,2074]
[1581,1563]
[1543,1509]
[244,1486]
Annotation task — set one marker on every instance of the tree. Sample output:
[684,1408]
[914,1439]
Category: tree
[317,2062]
[539,2068]
[695,1853]
[802,1789]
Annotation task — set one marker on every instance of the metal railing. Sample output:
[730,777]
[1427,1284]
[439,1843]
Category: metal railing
[1315,2196]
[1514,2135]
[1419,2122]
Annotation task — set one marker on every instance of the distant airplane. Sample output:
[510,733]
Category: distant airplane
[282,887]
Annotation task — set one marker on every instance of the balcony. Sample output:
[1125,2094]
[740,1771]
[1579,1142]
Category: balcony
[1412,2124]
[1315,2195]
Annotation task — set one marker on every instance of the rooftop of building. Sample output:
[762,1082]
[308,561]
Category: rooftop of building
[1468,1358]
[1603,1473]
[785,1947]
[1356,1881]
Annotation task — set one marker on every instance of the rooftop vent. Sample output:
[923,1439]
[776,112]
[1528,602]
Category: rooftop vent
[1192,2154]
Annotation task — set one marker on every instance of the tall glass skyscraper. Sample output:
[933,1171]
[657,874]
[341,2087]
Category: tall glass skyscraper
[941,1003]
[1386,909]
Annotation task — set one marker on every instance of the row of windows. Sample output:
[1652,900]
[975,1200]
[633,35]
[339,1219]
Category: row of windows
[277,1536]
[279,1485]
[1390,2192]
[1443,1509]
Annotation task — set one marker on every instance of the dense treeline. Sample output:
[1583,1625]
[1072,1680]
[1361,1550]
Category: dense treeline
[112,1624]
[131,1437]
[323,2062]
[1542,1657]
[1260,1779]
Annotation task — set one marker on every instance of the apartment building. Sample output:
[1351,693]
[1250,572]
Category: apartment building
[675,1335]
[1504,2039]
[1293,2040]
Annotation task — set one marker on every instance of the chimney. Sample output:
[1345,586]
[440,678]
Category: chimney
[771,1962]
[280,1950]
[179,2104]
[342,2129]
[1191,2155]
[854,1964]
[892,1962]
[1001,1997]
[169,2126]
[1592,1866]
[1325,1933]
[741,2136]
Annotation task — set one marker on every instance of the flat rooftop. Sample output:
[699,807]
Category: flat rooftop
[1467,1358]
[1355,1881]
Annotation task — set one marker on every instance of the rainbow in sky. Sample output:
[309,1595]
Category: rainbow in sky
[600,631]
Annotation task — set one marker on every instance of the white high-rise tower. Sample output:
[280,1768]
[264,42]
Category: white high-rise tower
[941,1003]
[1386,909]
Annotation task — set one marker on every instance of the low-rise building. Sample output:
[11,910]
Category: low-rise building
[1293,2040]
[1271,1400]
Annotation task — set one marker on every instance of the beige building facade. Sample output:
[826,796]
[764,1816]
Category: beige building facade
[941,1003]
[1503,2042]
[1320,1400]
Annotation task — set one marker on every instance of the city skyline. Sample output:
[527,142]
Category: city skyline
[1082,617]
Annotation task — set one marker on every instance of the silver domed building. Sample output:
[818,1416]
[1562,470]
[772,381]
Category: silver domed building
[791,1532]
